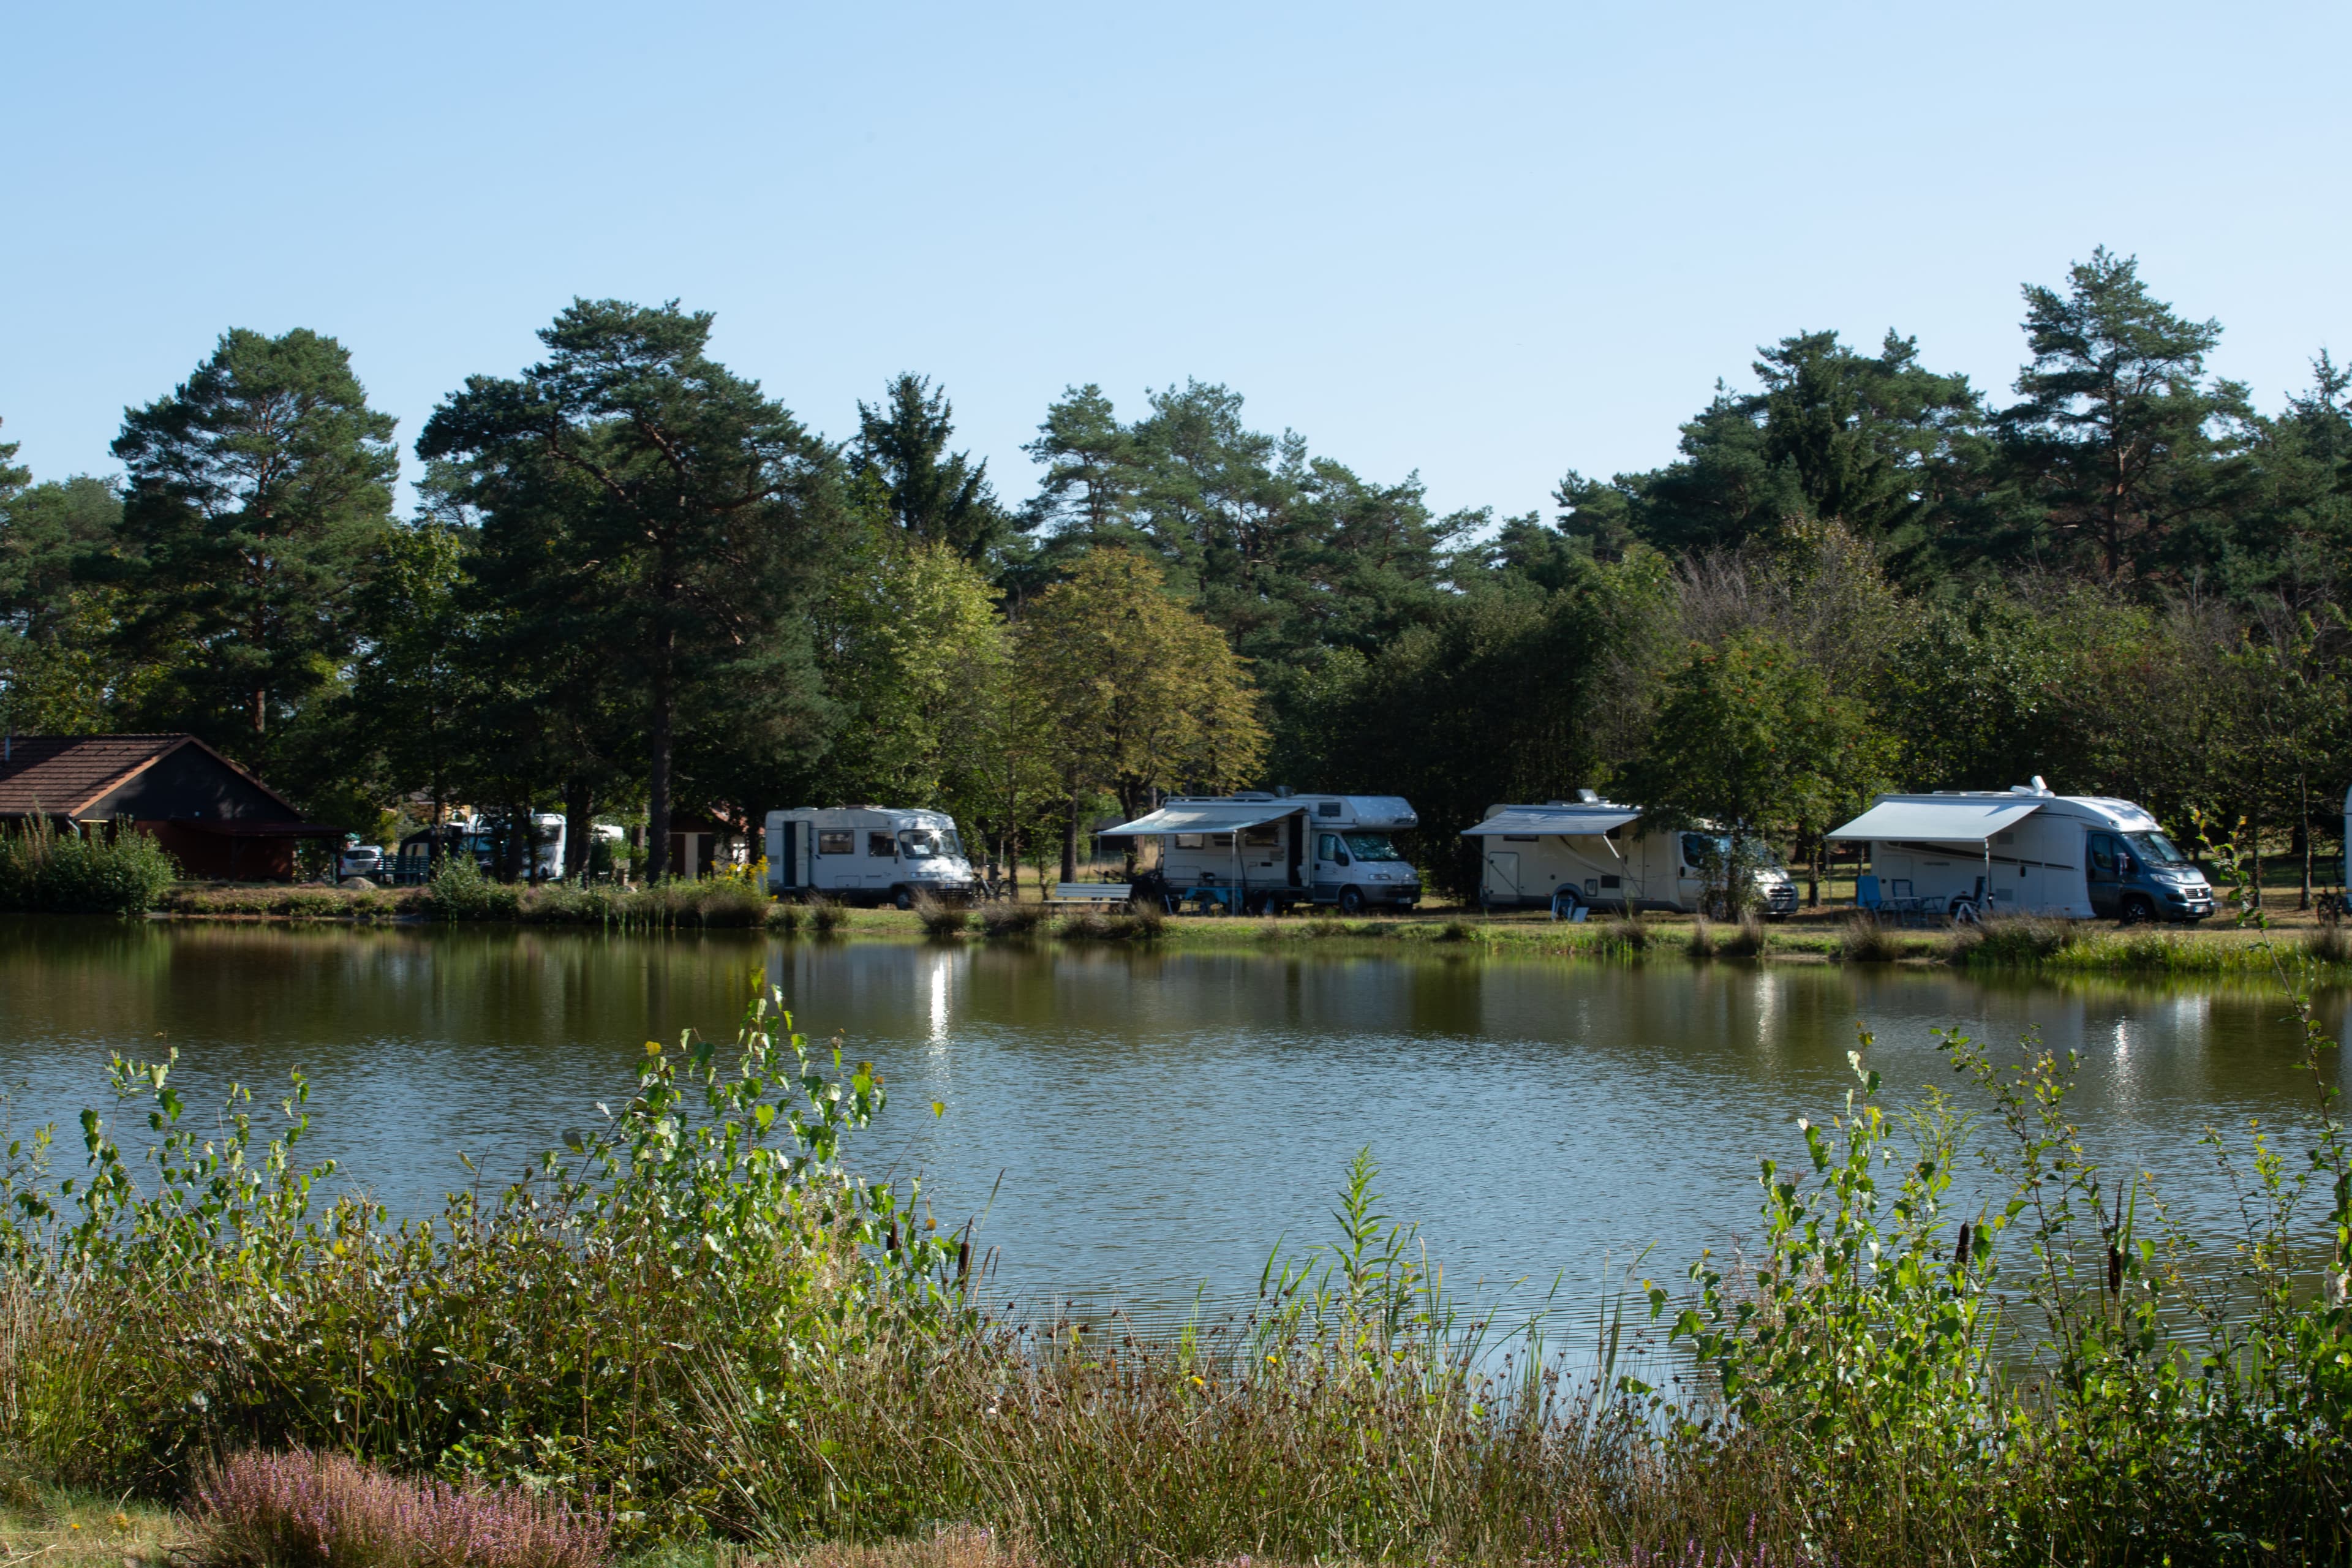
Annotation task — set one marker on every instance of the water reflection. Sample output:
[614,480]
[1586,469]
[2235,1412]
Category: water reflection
[1148,1121]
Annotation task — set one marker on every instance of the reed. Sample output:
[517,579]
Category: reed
[305,1509]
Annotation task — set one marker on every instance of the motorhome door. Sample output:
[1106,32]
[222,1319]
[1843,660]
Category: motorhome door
[2103,859]
[1330,865]
[1503,873]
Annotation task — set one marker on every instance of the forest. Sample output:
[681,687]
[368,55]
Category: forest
[634,583]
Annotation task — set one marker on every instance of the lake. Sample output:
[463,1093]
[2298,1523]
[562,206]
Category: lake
[1148,1123]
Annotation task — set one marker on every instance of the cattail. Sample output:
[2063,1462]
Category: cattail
[1960,1253]
[2114,1271]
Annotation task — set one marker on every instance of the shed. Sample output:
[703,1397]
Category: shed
[216,818]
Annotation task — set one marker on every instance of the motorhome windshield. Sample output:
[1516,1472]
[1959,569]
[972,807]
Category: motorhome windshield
[2155,848]
[1701,850]
[922,843]
[1370,846]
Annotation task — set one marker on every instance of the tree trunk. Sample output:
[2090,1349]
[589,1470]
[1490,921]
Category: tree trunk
[657,781]
[2302,835]
[1809,844]
[2254,842]
[1070,838]
[579,806]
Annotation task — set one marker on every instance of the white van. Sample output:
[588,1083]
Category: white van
[867,855]
[1264,852]
[1601,855]
[1966,853]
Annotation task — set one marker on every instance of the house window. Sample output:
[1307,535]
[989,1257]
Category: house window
[881,847]
[835,844]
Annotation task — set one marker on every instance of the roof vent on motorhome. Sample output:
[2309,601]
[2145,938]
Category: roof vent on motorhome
[1282,791]
[1586,796]
[2039,787]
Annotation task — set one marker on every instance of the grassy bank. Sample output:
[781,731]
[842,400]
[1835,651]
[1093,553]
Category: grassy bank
[697,1328]
[2027,945]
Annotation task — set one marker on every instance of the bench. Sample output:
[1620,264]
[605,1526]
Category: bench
[1092,893]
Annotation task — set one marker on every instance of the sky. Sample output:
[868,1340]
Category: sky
[1486,244]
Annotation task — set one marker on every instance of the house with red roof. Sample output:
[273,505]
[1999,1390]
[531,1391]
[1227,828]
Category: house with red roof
[217,819]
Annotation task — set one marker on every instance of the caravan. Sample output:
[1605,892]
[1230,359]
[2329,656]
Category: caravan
[1262,853]
[867,855]
[1968,853]
[1596,854]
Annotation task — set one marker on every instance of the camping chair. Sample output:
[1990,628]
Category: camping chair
[1865,895]
[1904,903]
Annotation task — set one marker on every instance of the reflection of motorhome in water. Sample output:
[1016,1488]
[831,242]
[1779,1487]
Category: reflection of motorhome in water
[1601,854]
[2027,851]
[867,855]
[1271,851]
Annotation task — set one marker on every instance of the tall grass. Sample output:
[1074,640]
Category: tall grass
[698,1318]
[458,892]
[45,871]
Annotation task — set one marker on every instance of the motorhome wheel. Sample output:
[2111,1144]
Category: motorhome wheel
[902,897]
[2137,908]
[1351,900]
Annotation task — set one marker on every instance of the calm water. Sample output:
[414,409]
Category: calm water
[1150,1123]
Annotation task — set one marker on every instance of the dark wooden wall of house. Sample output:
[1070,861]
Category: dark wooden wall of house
[191,782]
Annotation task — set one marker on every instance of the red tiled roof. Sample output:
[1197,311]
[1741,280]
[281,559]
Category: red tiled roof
[58,775]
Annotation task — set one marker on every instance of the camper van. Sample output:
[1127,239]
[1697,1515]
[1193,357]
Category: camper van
[1264,853]
[867,855]
[1968,853]
[1598,853]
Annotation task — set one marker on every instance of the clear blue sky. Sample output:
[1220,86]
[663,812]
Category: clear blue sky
[1487,243]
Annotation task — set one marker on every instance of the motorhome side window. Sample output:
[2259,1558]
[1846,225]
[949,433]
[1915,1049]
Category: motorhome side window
[1327,809]
[880,846]
[1327,847]
[2103,854]
[1265,835]
[835,844]
[1190,840]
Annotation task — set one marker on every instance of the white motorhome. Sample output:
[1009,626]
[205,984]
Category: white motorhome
[2025,851]
[1265,852]
[867,855]
[1601,854]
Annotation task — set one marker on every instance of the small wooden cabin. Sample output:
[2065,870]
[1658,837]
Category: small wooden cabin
[217,819]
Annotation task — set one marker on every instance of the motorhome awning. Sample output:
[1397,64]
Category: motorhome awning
[1938,821]
[1204,817]
[1540,821]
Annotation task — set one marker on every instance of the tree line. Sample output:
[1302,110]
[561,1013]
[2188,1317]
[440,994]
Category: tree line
[634,583]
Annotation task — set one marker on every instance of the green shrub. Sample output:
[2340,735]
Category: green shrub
[45,871]
[458,892]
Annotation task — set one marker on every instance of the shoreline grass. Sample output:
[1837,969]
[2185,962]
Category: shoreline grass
[2026,946]
[700,1328]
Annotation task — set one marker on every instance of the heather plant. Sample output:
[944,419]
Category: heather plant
[306,1509]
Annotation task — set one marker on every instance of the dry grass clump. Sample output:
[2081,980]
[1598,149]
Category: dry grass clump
[306,901]
[303,1509]
[1745,940]
[1138,922]
[1629,933]
[1010,919]
[1865,940]
[826,918]
[2015,940]
[2328,944]
[940,919]
[786,917]
[1457,931]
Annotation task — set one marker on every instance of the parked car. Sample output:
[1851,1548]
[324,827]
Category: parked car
[358,860]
